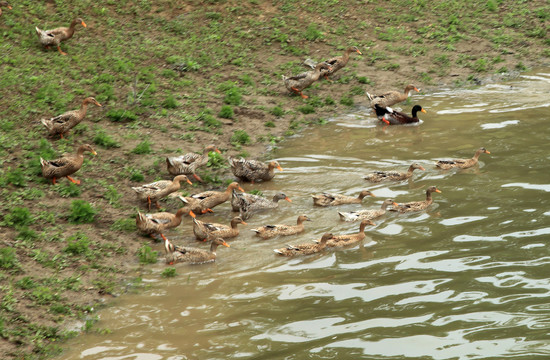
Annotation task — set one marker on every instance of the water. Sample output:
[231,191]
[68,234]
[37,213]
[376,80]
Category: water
[467,279]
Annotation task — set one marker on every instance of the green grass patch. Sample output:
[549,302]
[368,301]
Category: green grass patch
[143,147]
[226,112]
[240,137]
[169,272]
[146,255]
[82,212]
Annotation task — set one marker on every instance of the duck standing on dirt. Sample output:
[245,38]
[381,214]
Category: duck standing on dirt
[66,165]
[57,35]
[253,170]
[301,81]
[391,97]
[159,189]
[189,163]
[61,124]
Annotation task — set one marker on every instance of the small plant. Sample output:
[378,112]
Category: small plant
[240,137]
[143,147]
[215,160]
[18,216]
[365,80]
[210,121]
[357,90]
[26,234]
[82,212]
[269,124]
[26,283]
[233,96]
[312,33]
[137,176]
[169,272]
[146,255]
[117,115]
[60,309]
[346,101]
[256,192]
[170,102]
[8,258]
[112,195]
[127,225]
[329,101]
[226,112]
[103,139]
[306,109]
[16,178]
[77,244]
[43,295]
[277,111]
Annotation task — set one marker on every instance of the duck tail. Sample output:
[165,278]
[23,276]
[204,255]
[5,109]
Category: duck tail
[255,230]
[278,252]
[369,96]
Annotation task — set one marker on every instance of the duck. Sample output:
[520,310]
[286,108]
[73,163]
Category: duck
[4,4]
[338,62]
[350,239]
[305,249]
[153,224]
[253,170]
[391,97]
[417,205]
[366,214]
[461,163]
[248,204]
[188,164]
[191,255]
[61,124]
[204,231]
[159,189]
[378,176]
[210,199]
[392,117]
[194,205]
[327,199]
[57,35]
[269,231]
[301,81]
[66,165]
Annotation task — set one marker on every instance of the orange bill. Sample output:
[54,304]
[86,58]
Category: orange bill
[287,199]
[279,168]
[83,23]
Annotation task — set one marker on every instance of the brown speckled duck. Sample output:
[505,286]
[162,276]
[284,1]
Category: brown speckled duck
[210,199]
[338,62]
[366,214]
[327,199]
[392,117]
[350,239]
[204,231]
[61,124]
[248,204]
[378,176]
[4,4]
[57,35]
[66,165]
[253,170]
[159,189]
[417,205]
[269,231]
[189,163]
[194,205]
[461,163]
[154,224]
[301,81]
[191,255]
[391,97]
[305,249]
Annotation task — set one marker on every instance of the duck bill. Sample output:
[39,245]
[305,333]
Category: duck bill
[279,168]
[240,188]
[359,52]
[371,194]
[244,223]
[189,182]
[83,24]
[437,190]
[9,7]
[93,152]
[98,104]
[424,111]
[395,204]
[487,151]
[415,89]
[218,151]
[422,168]
[225,244]
[288,199]
[192,214]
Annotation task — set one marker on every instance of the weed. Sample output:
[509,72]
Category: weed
[269,124]
[365,80]
[43,295]
[14,177]
[277,111]
[216,161]
[146,255]
[329,101]
[18,216]
[103,139]
[306,109]
[143,147]
[127,225]
[8,258]
[240,137]
[77,244]
[117,115]
[68,190]
[112,195]
[60,309]
[226,112]
[312,33]
[136,176]
[357,90]
[169,272]
[256,192]
[26,283]
[347,101]
[233,96]
[82,212]
[170,102]
[26,234]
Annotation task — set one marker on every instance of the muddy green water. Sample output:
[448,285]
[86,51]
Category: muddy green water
[467,279]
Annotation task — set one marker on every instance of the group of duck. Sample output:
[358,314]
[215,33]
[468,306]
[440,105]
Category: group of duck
[185,166]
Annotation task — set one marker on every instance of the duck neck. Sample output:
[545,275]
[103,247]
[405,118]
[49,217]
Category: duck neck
[362,227]
[234,223]
[476,155]
[83,108]
[414,112]
[213,247]
[428,195]
[80,152]
[384,206]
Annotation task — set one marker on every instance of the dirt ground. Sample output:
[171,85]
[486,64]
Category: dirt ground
[114,264]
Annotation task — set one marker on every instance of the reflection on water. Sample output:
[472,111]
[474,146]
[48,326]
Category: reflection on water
[466,279]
